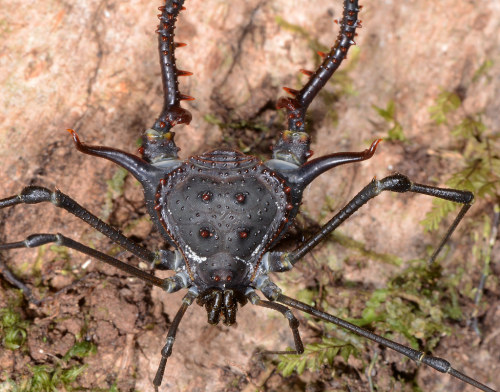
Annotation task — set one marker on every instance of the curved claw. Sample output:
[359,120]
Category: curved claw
[76,139]
[144,172]
[373,147]
[305,174]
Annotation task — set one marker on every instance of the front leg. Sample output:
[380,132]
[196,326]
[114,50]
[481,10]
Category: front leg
[396,183]
[38,194]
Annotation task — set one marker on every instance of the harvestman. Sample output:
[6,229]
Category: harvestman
[223,262]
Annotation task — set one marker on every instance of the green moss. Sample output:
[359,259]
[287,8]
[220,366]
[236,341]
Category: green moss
[115,189]
[13,329]
[351,243]
[413,308]
[395,129]
[80,350]
[480,172]
[5,28]
[54,377]
[483,70]
[45,378]
[446,102]
[312,42]
[415,304]
[315,356]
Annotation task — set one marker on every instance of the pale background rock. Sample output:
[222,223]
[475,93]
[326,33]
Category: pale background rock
[92,66]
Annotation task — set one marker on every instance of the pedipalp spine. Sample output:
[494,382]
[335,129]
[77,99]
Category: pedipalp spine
[297,105]
[158,141]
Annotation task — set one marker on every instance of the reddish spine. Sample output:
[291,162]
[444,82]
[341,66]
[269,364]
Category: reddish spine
[297,106]
[172,113]
[158,143]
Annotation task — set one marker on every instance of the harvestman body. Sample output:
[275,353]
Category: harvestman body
[222,212]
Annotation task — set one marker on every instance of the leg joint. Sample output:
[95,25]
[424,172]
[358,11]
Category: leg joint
[166,351]
[396,183]
[35,240]
[35,194]
[292,321]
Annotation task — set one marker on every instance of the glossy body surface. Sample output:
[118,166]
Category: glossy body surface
[223,210]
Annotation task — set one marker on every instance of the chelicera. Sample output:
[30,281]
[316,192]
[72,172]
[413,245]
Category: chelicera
[223,212]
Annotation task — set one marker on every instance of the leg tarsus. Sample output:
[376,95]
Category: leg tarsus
[450,231]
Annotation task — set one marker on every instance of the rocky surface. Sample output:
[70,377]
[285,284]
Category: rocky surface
[92,66]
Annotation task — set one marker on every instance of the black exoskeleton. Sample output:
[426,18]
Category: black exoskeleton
[222,212]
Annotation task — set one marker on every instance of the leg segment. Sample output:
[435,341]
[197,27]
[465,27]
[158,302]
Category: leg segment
[437,363]
[292,321]
[36,194]
[172,331]
[12,279]
[41,239]
[395,183]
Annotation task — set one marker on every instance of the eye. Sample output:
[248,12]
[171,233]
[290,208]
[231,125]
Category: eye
[206,196]
[240,198]
[205,233]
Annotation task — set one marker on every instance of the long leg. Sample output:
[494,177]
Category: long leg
[439,364]
[166,351]
[36,194]
[36,240]
[292,321]
[395,183]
